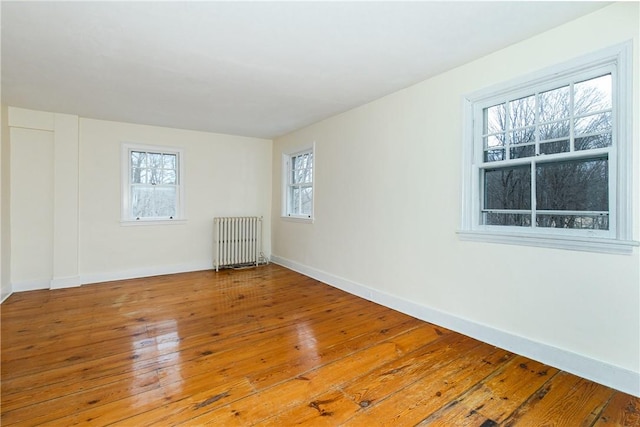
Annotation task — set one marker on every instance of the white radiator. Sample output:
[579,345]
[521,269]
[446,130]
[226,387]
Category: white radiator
[237,241]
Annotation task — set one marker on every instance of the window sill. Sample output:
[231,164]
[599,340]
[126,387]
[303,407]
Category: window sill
[303,219]
[128,223]
[574,243]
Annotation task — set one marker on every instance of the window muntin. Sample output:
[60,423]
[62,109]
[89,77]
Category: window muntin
[152,188]
[299,184]
[545,156]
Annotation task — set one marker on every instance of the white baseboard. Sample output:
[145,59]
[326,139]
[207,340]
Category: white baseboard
[5,296]
[144,272]
[30,285]
[74,281]
[595,370]
[65,282]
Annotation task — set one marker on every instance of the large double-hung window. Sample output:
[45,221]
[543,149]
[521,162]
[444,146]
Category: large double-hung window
[547,158]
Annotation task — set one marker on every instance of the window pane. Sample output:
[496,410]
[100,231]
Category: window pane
[140,176]
[155,176]
[298,176]
[589,222]
[554,147]
[169,161]
[303,175]
[155,160]
[169,177]
[554,104]
[554,130]
[576,185]
[138,159]
[295,201]
[520,152]
[497,218]
[301,161]
[594,123]
[142,201]
[153,201]
[507,188]
[593,95]
[494,155]
[523,136]
[494,141]
[165,201]
[592,142]
[522,112]
[495,119]
[307,176]
[306,200]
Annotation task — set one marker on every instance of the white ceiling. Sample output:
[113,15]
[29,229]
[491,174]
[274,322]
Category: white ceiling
[246,68]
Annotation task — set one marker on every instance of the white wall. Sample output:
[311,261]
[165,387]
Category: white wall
[31,207]
[224,176]
[65,199]
[387,207]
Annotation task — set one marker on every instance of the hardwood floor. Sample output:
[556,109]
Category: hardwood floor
[267,346]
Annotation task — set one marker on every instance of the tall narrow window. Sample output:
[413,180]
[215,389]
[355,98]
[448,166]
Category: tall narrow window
[152,187]
[298,169]
[548,158]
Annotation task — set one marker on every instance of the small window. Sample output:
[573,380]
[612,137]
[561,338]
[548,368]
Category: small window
[152,183]
[547,158]
[298,188]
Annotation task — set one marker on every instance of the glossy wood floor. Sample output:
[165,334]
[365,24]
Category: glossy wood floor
[267,346]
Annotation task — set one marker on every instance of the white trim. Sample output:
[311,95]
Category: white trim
[85,279]
[595,370]
[624,208]
[30,285]
[137,273]
[576,243]
[4,298]
[65,282]
[298,219]
[153,222]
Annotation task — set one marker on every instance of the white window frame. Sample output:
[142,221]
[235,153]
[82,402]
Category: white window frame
[126,216]
[618,239]
[287,185]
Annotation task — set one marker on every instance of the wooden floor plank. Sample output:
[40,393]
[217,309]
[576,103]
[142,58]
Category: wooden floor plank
[621,410]
[266,346]
[329,409]
[496,397]
[433,389]
[563,400]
